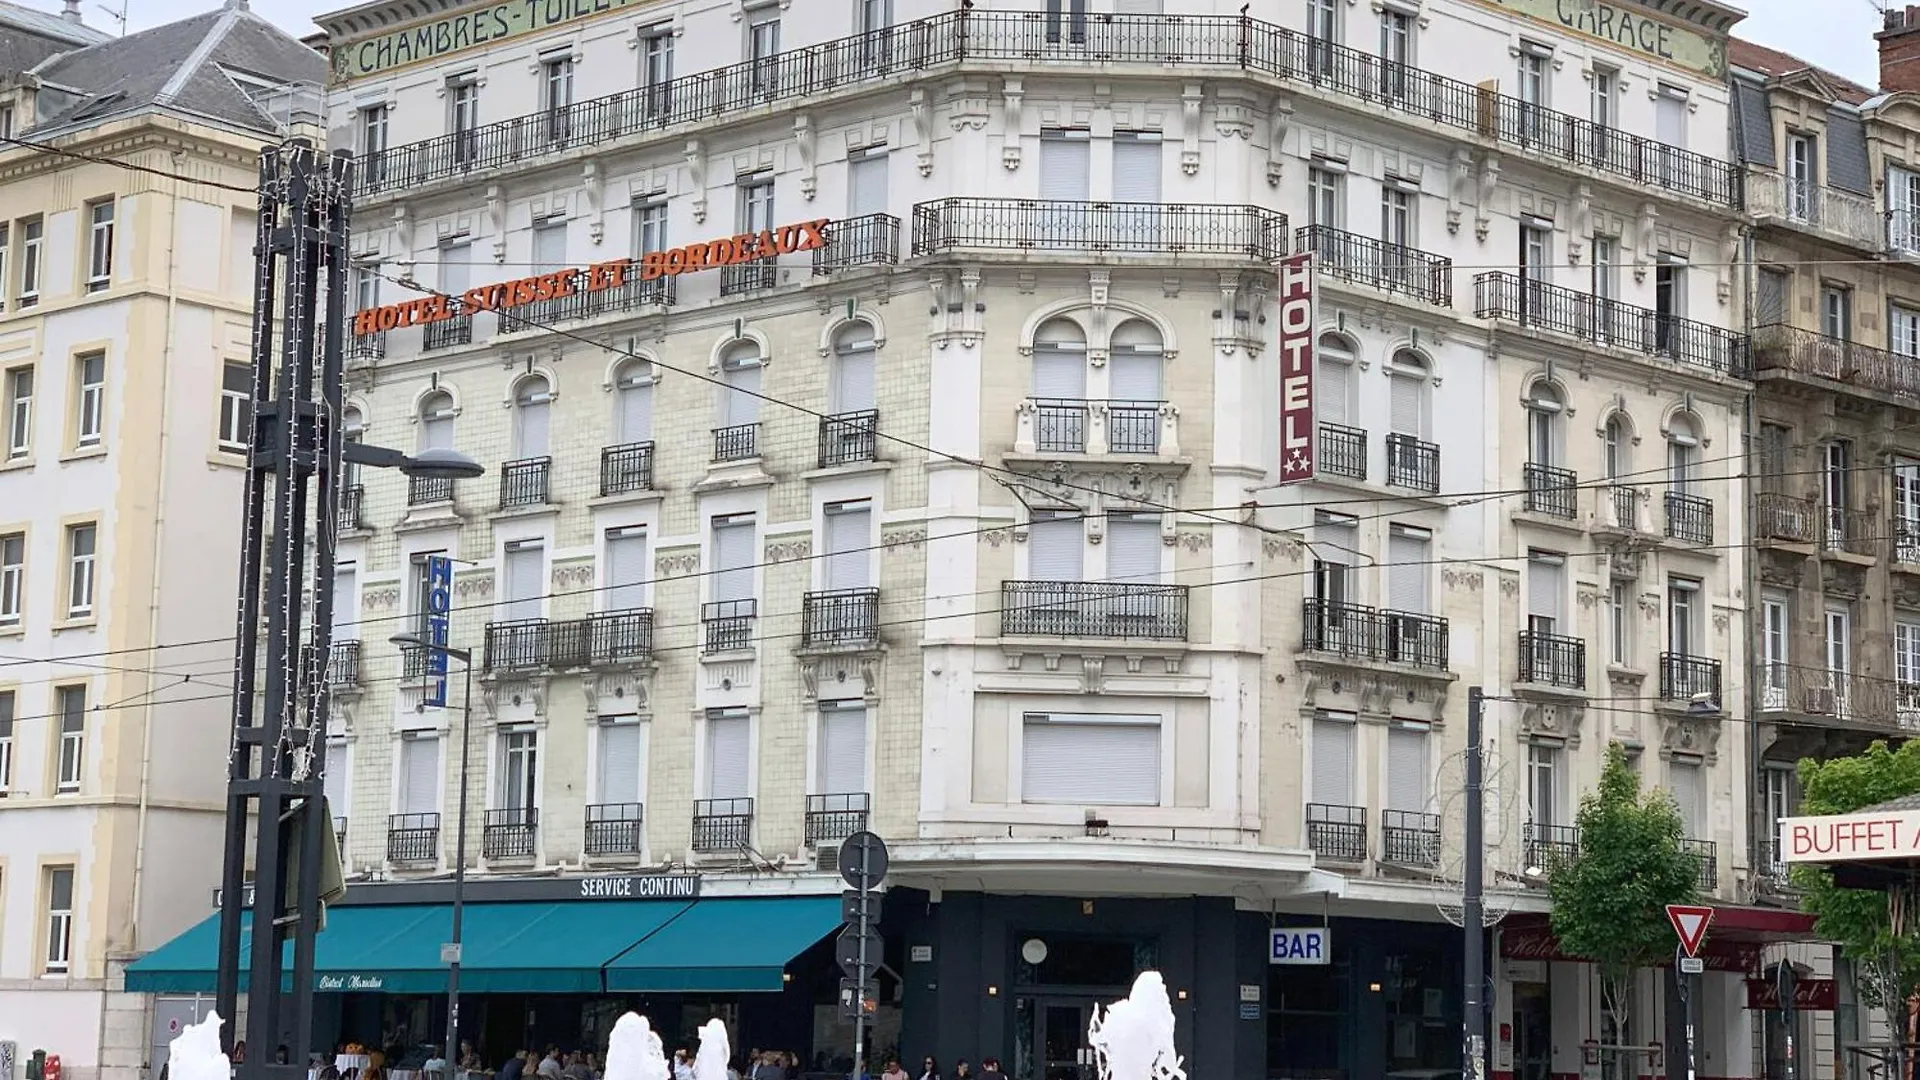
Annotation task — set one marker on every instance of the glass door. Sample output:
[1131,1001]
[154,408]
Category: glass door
[1064,1054]
[1532,1031]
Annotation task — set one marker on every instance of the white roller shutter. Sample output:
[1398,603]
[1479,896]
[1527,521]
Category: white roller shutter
[853,373]
[849,529]
[843,748]
[740,405]
[1059,374]
[626,582]
[336,779]
[1136,167]
[619,764]
[1689,797]
[1333,739]
[729,745]
[346,602]
[1133,549]
[549,247]
[636,412]
[733,558]
[1134,376]
[1670,117]
[1407,572]
[419,776]
[526,567]
[1065,159]
[455,271]
[1333,385]
[1055,547]
[530,419]
[1407,769]
[867,183]
[1090,760]
[1407,406]
[1545,587]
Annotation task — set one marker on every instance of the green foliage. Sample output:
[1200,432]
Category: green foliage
[1860,920]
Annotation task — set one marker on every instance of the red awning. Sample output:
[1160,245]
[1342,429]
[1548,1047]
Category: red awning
[1733,940]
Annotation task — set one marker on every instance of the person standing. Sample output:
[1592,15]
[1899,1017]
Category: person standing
[990,1069]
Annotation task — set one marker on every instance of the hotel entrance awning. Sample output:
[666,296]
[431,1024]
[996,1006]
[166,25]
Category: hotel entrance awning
[725,946]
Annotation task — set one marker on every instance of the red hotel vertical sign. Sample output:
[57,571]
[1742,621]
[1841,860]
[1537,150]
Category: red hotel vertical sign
[1297,443]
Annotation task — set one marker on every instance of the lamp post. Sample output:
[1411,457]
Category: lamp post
[451,1050]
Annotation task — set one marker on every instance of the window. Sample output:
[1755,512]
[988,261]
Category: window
[1669,300]
[1398,204]
[19,412]
[6,248]
[656,70]
[1903,329]
[1604,83]
[1056,546]
[6,121]
[420,594]
[874,16]
[626,577]
[1683,453]
[1076,21]
[1136,170]
[1906,509]
[99,245]
[1802,176]
[867,181]
[1836,312]
[90,376]
[1536,252]
[436,421]
[463,105]
[556,85]
[740,368]
[1546,588]
[1906,660]
[1838,627]
[519,762]
[366,283]
[6,742]
[649,225]
[1408,771]
[1775,650]
[13,578]
[1332,778]
[756,203]
[1836,464]
[853,377]
[1683,616]
[1323,30]
[1903,209]
[373,130]
[1543,425]
[59,920]
[729,754]
[633,402]
[1334,383]
[32,233]
[763,48]
[733,559]
[236,407]
[80,566]
[618,766]
[1408,556]
[524,575]
[1620,622]
[1090,759]
[1065,166]
[1535,84]
[1606,267]
[1325,186]
[549,245]
[841,765]
[532,404]
[1133,549]
[1060,386]
[1613,448]
[1544,798]
[1336,541]
[346,601]
[419,774]
[848,542]
[334,781]
[71,703]
[1685,784]
[1670,115]
[1396,50]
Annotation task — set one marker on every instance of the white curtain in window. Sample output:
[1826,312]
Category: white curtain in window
[336,779]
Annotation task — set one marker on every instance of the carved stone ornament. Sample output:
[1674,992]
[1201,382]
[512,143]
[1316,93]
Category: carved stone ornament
[1287,547]
[1690,736]
[1093,674]
[669,564]
[1470,580]
[910,539]
[1540,721]
[789,550]
[841,676]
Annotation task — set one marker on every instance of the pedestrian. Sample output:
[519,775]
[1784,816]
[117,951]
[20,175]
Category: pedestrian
[549,1067]
[894,1071]
[929,1070]
[515,1068]
[961,1071]
[682,1065]
[990,1069]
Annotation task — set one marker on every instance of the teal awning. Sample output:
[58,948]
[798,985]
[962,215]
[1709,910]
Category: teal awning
[725,946]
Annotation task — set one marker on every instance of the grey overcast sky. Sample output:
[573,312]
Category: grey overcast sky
[1833,34]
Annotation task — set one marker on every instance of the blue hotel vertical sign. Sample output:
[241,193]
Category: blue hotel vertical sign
[439,605]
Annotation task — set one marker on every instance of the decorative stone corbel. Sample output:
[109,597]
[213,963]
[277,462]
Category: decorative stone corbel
[1192,96]
[1582,224]
[1169,437]
[939,318]
[497,220]
[920,119]
[1012,90]
[805,139]
[1462,174]
[1643,256]
[590,688]
[1729,257]
[1099,285]
[1279,119]
[1483,209]
[592,182]
[1024,440]
[1092,674]
[970,328]
[696,157]
[403,238]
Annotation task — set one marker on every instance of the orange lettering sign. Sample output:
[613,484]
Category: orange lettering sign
[734,250]
[505,294]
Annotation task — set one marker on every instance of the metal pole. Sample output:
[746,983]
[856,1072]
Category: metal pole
[1473,1013]
[860,977]
[459,875]
[1685,984]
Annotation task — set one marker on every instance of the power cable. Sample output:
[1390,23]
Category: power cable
[119,163]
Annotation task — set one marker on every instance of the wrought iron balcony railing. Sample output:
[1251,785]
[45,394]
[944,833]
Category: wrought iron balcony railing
[1683,677]
[1613,323]
[524,482]
[1550,491]
[1394,268]
[1337,833]
[1783,517]
[1241,43]
[1550,846]
[728,624]
[1409,838]
[1343,451]
[366,348]
[423,490]
[1133,427]
[605,637]
[1812,206]
[869,240]
[966,223]
[1906,539]
[448,333]
[1553,660]
[722,824]
[1619,508]
[1707,854]
[848,438]
[343,664]
[1060,425]
[1793,351]
[1093,609]
[1689,517]
[413,838]
[749,277]
[833,818]
[413,662]
[353,498]
[737,442]
[1843,697]
[509,833]
[1363,633]
[1855,532]
[615,829]
[843,618]
[1412,463]
[626,468]
[632,294]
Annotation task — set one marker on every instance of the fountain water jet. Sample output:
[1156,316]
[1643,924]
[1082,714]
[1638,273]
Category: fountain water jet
[710,1061]
[194,1054]
[1133,1038]
[634,1051]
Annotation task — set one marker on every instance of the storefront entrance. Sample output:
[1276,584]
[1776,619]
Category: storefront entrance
[1532,1032]
[1063,1039]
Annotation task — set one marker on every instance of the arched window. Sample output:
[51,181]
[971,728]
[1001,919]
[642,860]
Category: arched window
[633,402]
[738,435]
[1615,448]
[1683,453]
[353,428]
[1412,461]
[1060,387]
[1136,371]
[532,400]
[1544,412]
[1333,381]
[436,421]
[852,389]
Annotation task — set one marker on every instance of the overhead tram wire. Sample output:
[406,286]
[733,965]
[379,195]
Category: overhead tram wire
[119,163]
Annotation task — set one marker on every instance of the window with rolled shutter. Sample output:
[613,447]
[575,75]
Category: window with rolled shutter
[1670,116]
[526,567]
[626,583]
[1055,546]
[1407,570]
[1545,583]
[1065,158]
[843,748]
[531,410]
[1059,373]
[1090,759]
[335,780]
[1133,549]
[1333,738]
[1684,781]
[1333,388]
[419,776]
[1407,768]
[1136,166]
[853,369]
[1770,296]
[456,270]
[1407,405]
[729,745]
[867,182]
[739,402]
[636,409]
[849,529]
[733,558]
[549,247]
[1134,376]
[346,602]
[618,779]
[1337,546]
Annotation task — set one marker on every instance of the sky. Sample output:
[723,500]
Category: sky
[1833,34]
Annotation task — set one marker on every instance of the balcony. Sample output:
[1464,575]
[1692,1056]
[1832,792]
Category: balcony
[1818,695]
[1906,540]
[626,468]
[757,276]
[1612,323]
[1550,846]
[1618,509]
[840,619]
[603,638]
[448,333]
[1343,451]
[1409,838]
[1084,229]
[1805,205]
[1553,660]
[1353,632]
[524,482]
[413,838]
[1093,609]
[1706,854]
[1779,349]
[833,818]
[353,498]
[727,625]
[1337,833]
[1060,425]
[509,834]
[871,240]
[343,665]
[738,442]
[1550,491]
[635,293]
[1413,464]
[1683,678]
[1852,532]
[722,824]
[366,348]
[849,438]
[1783,517]
[1689,518]
[413,662]
[427,490]
[1420,276]
[615,829]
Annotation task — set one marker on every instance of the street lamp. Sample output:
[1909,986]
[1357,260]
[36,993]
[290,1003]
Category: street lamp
[433,463]
[451,1050]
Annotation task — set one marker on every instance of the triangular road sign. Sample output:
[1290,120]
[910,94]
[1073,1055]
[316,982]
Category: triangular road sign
[1690,923]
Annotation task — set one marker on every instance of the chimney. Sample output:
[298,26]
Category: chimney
[1899,41]
[72,13]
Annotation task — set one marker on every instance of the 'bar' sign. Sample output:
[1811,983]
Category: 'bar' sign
[1301,945]
[1297,442]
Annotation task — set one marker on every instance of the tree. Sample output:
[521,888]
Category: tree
[1610,900]
[1879,931]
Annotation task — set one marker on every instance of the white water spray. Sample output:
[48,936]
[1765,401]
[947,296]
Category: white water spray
[634,1051]
[1133,1038]
[710,1061]
[195,1054]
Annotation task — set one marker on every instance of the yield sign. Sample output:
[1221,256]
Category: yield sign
[1690,922]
